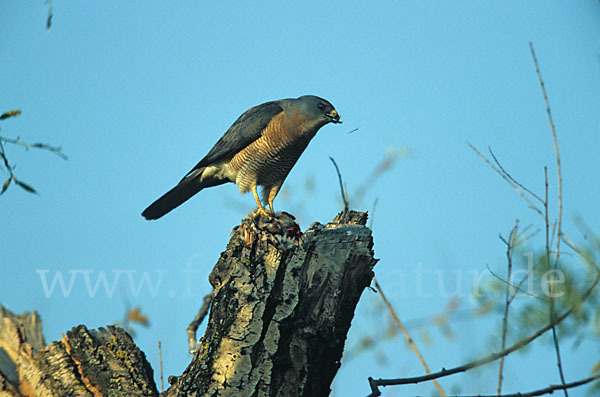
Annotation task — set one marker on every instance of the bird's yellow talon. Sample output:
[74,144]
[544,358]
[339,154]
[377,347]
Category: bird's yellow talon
[265,212]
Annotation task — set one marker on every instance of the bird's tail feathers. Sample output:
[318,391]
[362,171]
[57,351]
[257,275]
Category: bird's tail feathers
[172,199]
[179,194]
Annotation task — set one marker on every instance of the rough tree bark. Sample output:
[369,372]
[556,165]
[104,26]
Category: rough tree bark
[282,305]
[105,362]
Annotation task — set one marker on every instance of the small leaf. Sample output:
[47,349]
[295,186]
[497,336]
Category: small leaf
[5,185]
[596,368]
[10,113]
[135,315]
[25,186]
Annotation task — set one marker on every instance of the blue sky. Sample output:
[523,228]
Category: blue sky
[136,94]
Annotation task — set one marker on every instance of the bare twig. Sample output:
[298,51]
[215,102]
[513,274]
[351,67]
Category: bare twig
[11,168]
[193,327]
[372,217]
[375,383]
[527,237]
[11,174]
[54,149]
[509,257]
[510,177]
[551,283]
[550,389]
[547,225]
[5,159]
[559,220]
[162,385]
[516,287]
[407,336]
[555,141]
[563,236]
[346,206]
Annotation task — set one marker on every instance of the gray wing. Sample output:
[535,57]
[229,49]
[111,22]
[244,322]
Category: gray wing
[245,130]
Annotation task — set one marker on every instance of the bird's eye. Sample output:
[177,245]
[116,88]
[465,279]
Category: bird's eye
[321,105]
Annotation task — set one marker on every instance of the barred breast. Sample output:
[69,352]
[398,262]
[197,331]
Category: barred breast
[268,160]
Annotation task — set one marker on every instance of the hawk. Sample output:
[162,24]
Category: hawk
[259,149]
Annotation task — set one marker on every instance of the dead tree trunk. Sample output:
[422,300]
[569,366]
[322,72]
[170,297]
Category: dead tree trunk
[282,306]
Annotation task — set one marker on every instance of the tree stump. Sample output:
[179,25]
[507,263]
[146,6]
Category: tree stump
[282,306]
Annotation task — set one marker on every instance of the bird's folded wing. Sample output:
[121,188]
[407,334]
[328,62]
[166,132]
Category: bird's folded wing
[245,130]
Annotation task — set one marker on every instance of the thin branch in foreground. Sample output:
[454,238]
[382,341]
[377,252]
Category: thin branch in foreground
[193,327]
[407,336]
[375,383]
[548,390]
[559,220]
[346,205]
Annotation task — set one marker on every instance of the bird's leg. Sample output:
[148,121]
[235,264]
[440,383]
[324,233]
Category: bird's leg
[261,210]
[272,194]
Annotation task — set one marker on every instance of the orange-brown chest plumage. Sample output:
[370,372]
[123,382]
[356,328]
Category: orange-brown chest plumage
[268,160]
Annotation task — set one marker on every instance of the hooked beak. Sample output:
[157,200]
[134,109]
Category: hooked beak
[333,117]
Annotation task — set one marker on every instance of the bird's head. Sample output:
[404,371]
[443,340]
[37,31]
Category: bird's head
[317,109]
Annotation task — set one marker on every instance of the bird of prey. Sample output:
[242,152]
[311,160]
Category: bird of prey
[259,149]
